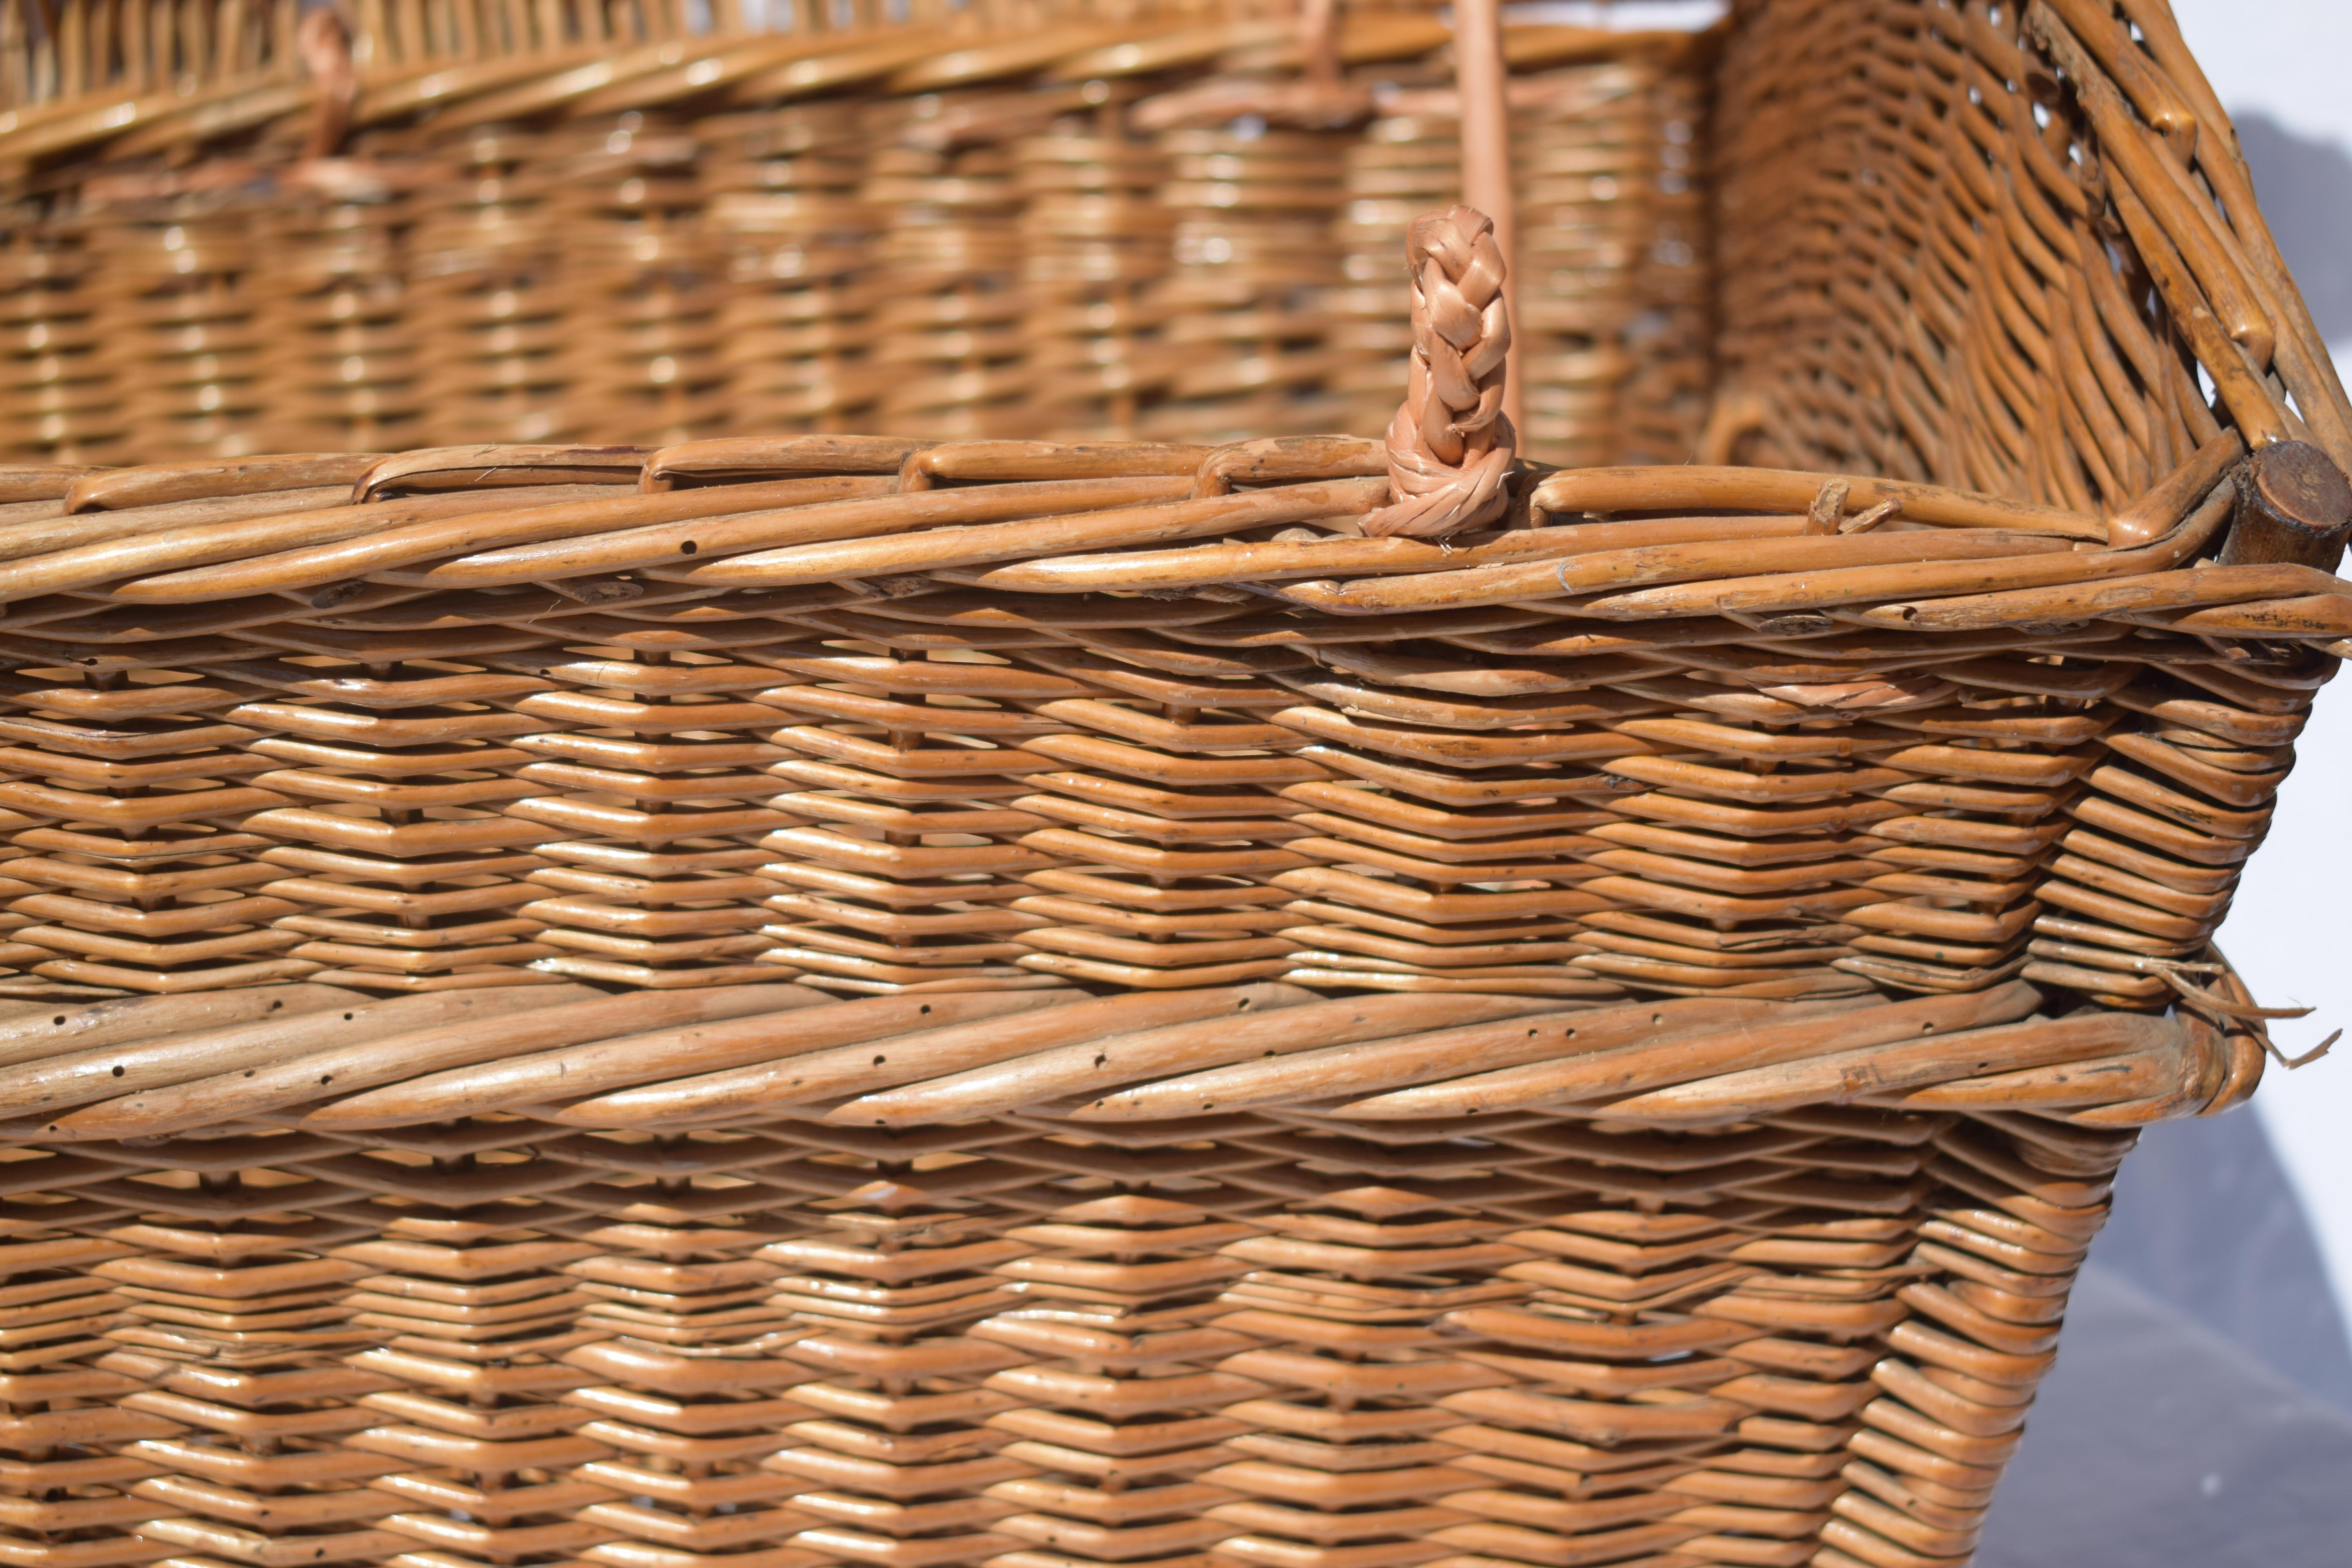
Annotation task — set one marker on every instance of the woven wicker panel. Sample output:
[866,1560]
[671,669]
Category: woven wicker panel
[934,762]
[1246,344]
[783,209]
[58,54]
[179,276]
[244,60]
[337,336]
[705,1282]
[948,344]
[1612,280]
[484,274]
[1999,346]
[639,279]
[1662,406]
[1096,241]
[60,397]
[1402,166]
[1026,259]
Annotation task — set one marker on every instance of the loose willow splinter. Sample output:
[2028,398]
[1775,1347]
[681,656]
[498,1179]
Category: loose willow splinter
[807,1000]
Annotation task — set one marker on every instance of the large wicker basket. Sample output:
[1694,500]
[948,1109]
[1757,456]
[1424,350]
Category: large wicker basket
[822,999]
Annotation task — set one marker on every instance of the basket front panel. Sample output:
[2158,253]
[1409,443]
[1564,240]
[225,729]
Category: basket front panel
[916,783]
[1230,1339]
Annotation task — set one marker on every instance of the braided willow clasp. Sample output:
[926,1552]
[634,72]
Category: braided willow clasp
[1450,445]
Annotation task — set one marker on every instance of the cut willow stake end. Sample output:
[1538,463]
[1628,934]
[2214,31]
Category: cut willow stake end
[2294,507]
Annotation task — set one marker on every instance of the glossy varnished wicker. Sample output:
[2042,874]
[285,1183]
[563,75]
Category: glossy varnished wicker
[815,999]
[1700,749]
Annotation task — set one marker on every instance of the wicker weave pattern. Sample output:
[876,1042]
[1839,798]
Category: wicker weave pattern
[975,233]
[825,999]
[391,1320]
[582,724]
[484,271]
[60,396]
[1995,344]
[334,322]
[1615,317]
[239,62]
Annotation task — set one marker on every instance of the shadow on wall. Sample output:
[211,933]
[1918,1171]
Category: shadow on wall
[2306,187]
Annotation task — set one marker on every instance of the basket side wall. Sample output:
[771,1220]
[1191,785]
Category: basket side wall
[2015,250]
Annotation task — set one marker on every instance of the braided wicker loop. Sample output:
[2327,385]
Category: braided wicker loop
[1450,445]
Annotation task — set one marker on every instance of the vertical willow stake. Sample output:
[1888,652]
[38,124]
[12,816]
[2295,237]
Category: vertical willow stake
[1479,76]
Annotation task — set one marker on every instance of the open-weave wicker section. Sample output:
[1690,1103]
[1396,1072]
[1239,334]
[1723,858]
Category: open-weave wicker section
[747,1278]
[1084,229]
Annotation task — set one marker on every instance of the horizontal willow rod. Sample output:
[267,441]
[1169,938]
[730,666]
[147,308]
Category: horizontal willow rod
[1694,486]
[571,1011]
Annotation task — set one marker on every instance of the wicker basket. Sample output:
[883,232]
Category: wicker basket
[813,999]
[960,228]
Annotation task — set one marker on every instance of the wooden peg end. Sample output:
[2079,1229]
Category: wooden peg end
[2293,506]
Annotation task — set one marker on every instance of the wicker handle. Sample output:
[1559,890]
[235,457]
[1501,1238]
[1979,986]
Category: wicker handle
[1481,78]
[1451,445]
[1319,38]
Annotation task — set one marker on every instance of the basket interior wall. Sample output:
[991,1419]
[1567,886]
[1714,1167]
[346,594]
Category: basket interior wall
[2022,256]
[57,54]
[970,229]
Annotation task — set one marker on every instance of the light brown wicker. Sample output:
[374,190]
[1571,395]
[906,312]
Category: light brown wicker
[483,271]
[339,359]
[797,246]
[800,999]
[60,397]
[1093,257]
[641,285]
